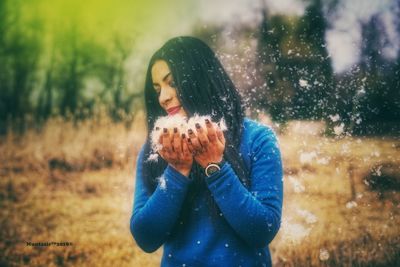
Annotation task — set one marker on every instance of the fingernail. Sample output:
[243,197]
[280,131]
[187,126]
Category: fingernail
[165,130]
[190,131]
[198,126]
[157,128]
[183,136]
[175,130]
[207,121]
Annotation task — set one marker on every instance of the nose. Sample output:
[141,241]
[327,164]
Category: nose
[166,96]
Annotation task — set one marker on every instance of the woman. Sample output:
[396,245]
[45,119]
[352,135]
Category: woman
[213,198]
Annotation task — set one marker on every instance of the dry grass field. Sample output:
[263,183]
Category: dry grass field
[75,184]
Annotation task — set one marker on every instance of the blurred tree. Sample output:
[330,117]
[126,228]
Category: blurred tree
[296,65]
[74,59]
[20,47]
[393,107]
[379,102]
[314,86]
[62,68]
[373,38]
[87,73]
[276,94]
[121,100]
[45,104]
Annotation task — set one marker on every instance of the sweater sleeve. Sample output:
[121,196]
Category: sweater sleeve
[255,215]
[154,216]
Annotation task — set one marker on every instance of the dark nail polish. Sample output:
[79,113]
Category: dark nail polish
[157,128]
[165,130]
[190,131]
[207,121]
[198,126]
[175,130]
[183,136]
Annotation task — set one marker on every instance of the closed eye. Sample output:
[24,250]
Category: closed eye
[172,84]
[158,90]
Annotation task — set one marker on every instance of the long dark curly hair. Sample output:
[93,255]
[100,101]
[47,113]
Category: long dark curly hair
[203,87]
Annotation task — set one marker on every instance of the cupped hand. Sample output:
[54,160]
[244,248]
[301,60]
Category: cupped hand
[175,151]
[207,145]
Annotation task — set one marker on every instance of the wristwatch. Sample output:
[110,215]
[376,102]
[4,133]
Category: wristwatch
[213,167]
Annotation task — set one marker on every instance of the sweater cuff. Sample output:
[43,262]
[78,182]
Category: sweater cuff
[176,176]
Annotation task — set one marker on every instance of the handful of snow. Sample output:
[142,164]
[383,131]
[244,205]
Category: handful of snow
[183,125]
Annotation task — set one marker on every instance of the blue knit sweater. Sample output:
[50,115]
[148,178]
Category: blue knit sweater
[249,220]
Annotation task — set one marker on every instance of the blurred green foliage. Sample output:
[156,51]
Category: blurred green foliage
[67,57]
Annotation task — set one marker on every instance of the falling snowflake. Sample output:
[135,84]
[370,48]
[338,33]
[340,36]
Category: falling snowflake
[153,157]
[307,157]
[323,161]
[378,171]
[334,118]
[308,216]
[323,254]
[294,231]
[297,185]
[303,83]
[339,129]
[162,182]
[351,204]
[375,154]
[361,91]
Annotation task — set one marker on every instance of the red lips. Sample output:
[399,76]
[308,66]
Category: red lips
[173,110]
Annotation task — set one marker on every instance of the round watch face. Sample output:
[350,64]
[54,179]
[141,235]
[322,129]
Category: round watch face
[212,168]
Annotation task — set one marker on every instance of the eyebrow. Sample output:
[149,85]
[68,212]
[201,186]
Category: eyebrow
[165,77]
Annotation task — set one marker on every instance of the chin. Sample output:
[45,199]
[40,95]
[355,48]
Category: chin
[181,113]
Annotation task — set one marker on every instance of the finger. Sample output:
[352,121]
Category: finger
[166,141]
[194,141]
[211,134]
[176,141]
[163,154]
[220,136]
[185,147]
[190,146]
[201,135]
[159,145]
[160,137]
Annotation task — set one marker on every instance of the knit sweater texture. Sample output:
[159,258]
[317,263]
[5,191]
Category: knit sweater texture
[249,218]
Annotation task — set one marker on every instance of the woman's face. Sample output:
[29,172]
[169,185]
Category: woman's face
[165,87]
